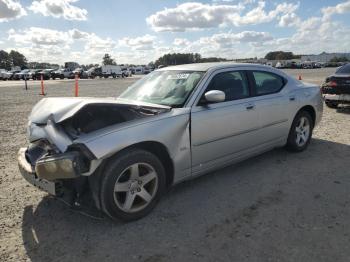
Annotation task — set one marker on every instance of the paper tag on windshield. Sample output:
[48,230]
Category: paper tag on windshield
[178,76]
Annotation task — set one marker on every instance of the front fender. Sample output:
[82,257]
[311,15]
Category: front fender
[171,131]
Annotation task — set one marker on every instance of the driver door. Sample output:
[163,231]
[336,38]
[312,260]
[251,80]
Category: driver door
[221,132]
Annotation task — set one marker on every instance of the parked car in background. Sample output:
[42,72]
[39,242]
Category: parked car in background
[126,72]
[46,73]
[172,125]
[93,72]
[80,72]
[12,74]
[4,74]
[111,70]
[24,74]
[336,88]
[62,73]
[35,74]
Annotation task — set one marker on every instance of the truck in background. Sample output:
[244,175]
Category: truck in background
[111,70]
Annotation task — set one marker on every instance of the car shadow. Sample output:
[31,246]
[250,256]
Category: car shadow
[344,109]
[225,213]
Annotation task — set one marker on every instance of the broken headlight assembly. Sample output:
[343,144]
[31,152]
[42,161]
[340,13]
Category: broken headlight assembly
[60,166]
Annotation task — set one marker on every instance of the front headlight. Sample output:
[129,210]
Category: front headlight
[60,166]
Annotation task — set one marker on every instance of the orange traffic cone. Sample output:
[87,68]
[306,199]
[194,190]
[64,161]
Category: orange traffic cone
[299,78]
[76,85]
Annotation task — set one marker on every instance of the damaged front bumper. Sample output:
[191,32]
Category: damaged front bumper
[28,173]
[49,171]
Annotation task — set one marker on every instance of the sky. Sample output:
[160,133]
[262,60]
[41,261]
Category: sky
[140,31]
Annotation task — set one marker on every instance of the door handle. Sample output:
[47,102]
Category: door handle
[292,98]
[250,107]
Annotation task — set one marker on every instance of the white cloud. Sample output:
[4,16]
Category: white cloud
[59,8]
[77,34]
[38,36]
[194,16]
[181,42]
[258,15]
[42,44]
[145,42]
[341,8]
[10,9]
[289,20]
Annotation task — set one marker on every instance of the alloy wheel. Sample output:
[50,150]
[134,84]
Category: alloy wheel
[135,187]
[302,131]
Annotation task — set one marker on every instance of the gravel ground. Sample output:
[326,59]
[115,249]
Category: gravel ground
[275,207]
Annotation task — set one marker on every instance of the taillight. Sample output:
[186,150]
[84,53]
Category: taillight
[332,84]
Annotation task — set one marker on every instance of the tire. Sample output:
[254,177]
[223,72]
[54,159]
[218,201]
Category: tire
[118,174]
[296,133]
[332,105]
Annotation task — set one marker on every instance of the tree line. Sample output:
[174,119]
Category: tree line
[281,55]
[184,58]
[13,58]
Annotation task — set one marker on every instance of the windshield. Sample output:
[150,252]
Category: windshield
[170,88]
[345,69]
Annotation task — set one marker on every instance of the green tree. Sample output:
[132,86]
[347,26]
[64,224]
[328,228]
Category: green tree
[280,55]
[17,59]
[5,61]
[108,60]
[339,59]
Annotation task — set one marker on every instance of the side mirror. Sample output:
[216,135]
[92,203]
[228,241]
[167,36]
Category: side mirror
[214,96]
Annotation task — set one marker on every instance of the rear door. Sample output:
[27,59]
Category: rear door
[271,104]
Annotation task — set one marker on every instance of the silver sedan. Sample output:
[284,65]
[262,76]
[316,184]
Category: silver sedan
[172,125]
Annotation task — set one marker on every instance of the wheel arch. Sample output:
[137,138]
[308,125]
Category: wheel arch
[311,110]
[159,150]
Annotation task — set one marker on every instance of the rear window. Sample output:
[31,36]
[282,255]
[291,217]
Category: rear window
[345,69]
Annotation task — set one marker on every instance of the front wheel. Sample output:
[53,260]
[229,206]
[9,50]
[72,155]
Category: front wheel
[300,133]
[132,184]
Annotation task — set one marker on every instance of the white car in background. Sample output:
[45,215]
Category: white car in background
[4,74]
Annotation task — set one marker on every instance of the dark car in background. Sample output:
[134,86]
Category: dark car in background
[35,74]
[336,88]
[46,73]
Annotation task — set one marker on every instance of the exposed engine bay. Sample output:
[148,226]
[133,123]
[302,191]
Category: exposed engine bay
[94,117]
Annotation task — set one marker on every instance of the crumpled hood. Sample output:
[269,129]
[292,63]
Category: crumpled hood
[61,108]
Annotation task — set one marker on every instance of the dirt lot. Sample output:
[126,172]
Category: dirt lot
[276,207]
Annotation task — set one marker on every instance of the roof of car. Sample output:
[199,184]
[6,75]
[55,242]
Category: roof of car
[207,66]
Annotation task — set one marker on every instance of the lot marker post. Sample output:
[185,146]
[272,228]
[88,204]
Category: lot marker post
[42,86]
[76,85]
[25,82]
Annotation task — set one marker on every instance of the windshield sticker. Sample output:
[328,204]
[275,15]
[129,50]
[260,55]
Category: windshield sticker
[178,76]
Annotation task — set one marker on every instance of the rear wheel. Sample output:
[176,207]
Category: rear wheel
[132,185]
[300,133]
[331,104]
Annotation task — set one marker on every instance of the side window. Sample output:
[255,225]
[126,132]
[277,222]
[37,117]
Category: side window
[267,83]
[233,84]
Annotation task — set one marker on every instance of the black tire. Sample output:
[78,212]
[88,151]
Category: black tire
[115,169]
[292,144]
[332,105]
